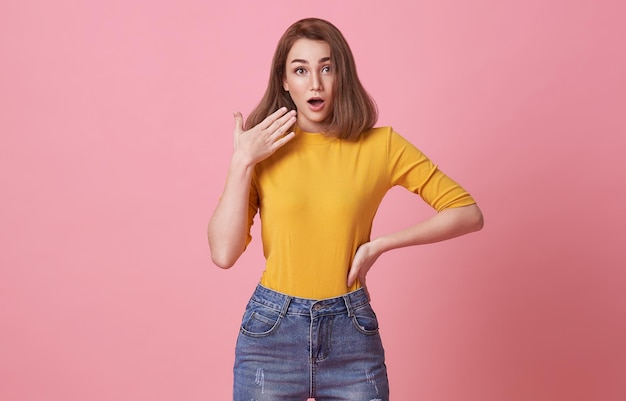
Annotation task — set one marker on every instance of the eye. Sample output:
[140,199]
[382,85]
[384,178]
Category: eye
[326,69]
[300,71]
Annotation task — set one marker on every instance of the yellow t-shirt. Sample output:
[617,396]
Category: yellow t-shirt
[317,198]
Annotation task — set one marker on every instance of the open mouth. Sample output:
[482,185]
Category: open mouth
[315,101]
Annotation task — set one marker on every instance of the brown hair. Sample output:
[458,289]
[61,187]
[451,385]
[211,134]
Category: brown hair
[354,111]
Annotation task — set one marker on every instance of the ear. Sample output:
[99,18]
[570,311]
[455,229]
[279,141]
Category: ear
[285,86]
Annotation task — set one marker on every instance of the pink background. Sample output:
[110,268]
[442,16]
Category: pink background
[115,122]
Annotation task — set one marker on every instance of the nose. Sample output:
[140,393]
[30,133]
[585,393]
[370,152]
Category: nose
[316,82]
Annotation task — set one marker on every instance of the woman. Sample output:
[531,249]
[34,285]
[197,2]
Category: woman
[311,163]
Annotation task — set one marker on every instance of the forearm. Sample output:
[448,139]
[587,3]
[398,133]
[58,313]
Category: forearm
[228,227]
[444,225]
[227,230]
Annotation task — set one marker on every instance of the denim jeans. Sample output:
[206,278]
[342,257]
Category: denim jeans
[291,349]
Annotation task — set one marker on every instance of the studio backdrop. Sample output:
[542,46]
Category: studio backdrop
[115,138]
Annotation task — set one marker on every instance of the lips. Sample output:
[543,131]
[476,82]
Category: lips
[316,103]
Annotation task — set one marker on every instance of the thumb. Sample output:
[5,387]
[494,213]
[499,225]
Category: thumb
[238,128]
[352,275]
[238,122]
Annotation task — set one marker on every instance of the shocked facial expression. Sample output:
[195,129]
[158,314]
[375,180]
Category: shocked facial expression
[309,80]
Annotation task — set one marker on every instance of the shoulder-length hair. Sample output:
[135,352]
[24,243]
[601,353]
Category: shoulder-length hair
[354,111]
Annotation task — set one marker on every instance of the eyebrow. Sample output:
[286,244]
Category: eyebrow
[299,60]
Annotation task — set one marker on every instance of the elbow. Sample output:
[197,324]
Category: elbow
[222,262]
[476,220]
[224,251]
[223,257]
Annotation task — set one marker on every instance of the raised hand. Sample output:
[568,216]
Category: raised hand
[262,140]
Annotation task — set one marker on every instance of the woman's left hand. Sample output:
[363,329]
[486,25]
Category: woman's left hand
[363,261]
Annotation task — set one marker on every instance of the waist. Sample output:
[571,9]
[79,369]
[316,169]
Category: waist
[288,304]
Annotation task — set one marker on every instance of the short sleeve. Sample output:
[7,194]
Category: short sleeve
[412,169]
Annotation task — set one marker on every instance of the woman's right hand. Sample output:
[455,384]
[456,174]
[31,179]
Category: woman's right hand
[262,140]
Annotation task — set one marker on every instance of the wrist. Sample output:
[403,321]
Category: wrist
[378,246]
[239,160]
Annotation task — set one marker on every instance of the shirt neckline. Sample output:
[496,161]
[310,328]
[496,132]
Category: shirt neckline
[312,137]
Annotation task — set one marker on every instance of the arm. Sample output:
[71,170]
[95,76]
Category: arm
[449,223]
[228,226]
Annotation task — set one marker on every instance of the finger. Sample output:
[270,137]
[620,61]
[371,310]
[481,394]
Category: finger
[352,275]
[269,120]
[283,140]
[362,282]
[279,131]
[364,286]
[283,122]
[238,122]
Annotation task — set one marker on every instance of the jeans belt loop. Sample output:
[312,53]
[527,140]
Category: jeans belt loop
[346,299]
[283,311]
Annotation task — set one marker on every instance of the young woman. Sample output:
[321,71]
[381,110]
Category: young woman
[310,162]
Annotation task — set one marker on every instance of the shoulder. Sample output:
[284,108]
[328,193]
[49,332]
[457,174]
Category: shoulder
[385,135]
[381,132]
[378,131]
[377,134]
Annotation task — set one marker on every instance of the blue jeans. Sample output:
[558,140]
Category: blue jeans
[291,349]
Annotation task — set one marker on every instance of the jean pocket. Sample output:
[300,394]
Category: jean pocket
[259,320]
[365,320]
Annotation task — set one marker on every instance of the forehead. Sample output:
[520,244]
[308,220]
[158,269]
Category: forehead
[308,50]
